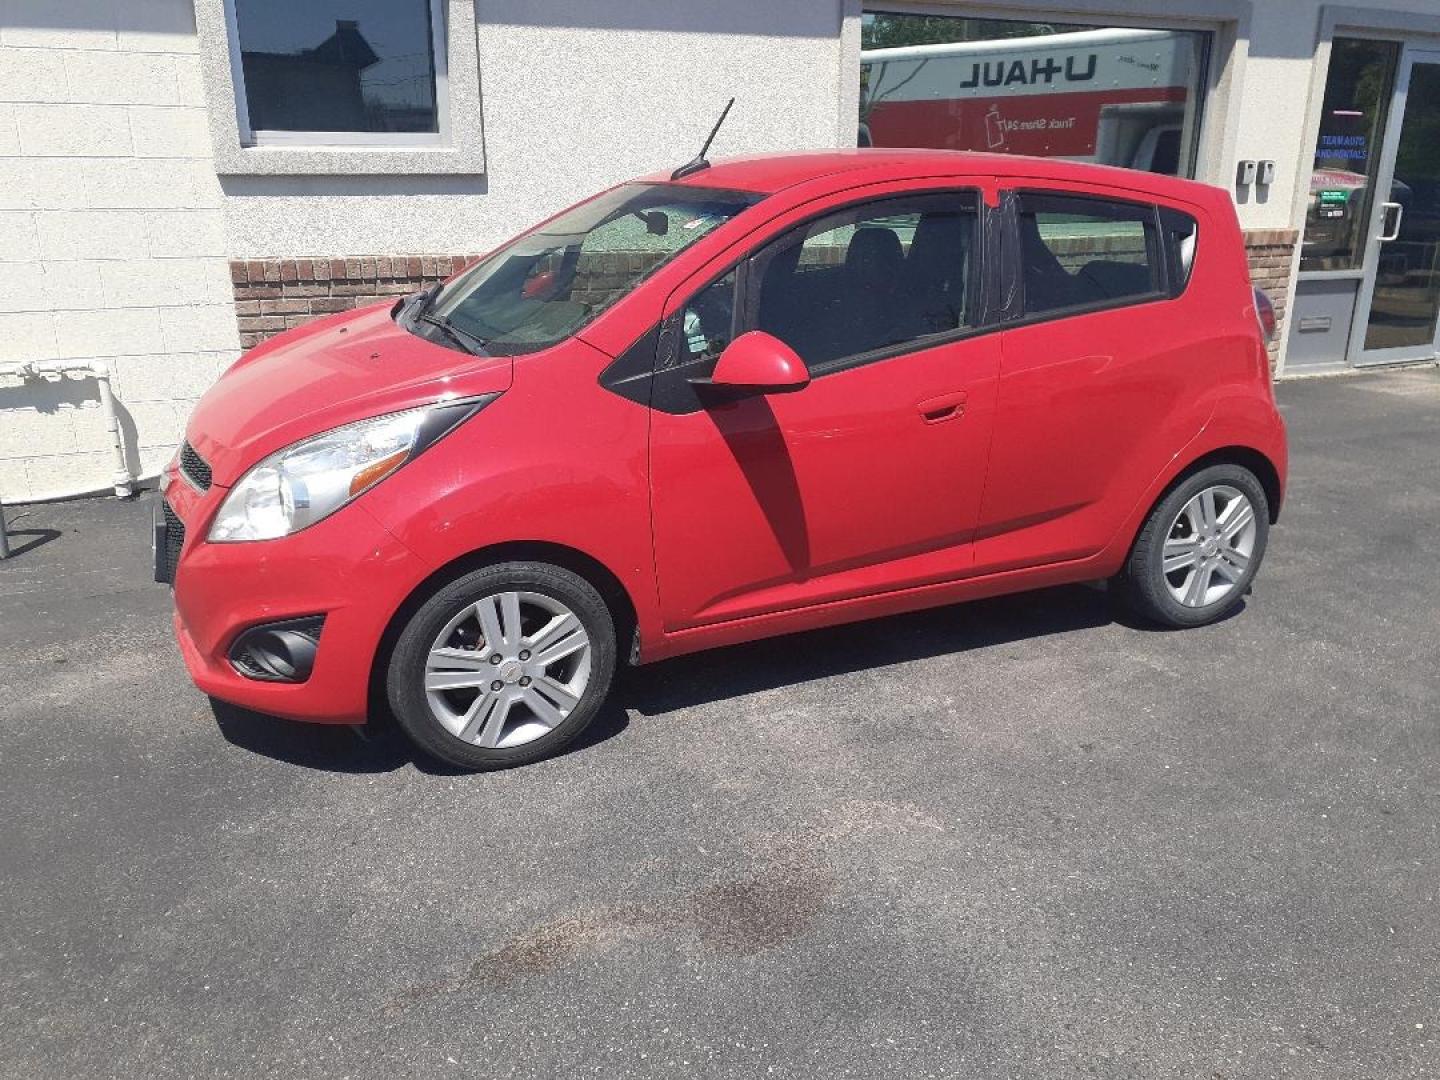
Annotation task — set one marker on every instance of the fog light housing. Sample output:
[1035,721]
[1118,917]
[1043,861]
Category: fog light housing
[278,651]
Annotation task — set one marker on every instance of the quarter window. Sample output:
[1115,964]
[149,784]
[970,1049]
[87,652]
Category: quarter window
[1086,252]
[870,278]
[1182,235]
[346,72]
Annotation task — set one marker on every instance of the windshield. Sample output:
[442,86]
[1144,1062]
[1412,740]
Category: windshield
[542,287]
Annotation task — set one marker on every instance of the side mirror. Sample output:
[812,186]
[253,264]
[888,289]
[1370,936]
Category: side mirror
[757,363]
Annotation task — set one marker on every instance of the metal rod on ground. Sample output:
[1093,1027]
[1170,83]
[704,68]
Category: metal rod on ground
[4,538]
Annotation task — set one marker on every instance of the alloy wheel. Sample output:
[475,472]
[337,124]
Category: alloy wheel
[507,669]
[1209,545]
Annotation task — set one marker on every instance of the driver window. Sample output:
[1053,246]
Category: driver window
[871,277]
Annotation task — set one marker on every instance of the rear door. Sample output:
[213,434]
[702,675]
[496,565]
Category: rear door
[1099,364]
[868,479]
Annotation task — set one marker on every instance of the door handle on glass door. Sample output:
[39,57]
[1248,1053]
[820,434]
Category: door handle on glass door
[946,407]
[1385,209]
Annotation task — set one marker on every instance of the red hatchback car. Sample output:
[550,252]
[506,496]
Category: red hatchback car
[770,395]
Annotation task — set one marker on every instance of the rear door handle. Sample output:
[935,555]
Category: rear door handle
[937,410]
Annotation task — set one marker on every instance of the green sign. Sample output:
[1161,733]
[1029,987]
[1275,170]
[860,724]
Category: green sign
[1334,197]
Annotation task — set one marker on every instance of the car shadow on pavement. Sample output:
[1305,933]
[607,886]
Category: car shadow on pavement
[377,747]
[772,663]
[704,677]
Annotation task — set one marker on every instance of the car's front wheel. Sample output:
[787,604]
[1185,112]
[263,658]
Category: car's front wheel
[1199,549]
[503,666]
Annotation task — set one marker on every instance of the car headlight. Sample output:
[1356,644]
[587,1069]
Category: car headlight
[311,479]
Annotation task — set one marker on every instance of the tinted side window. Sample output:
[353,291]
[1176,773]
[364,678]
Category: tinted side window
[870,277]
[1080,252]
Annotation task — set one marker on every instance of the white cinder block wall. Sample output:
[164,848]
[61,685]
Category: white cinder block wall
[112,238]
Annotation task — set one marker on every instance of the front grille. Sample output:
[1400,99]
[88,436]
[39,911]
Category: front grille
[174,541]
[194,467]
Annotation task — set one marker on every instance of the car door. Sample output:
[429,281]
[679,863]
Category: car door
[1099,370]
[869,478]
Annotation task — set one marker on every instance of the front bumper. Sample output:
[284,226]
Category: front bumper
[347,568]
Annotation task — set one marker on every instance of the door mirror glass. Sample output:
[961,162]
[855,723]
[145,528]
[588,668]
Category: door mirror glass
[758,363]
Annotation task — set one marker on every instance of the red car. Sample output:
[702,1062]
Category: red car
[732,402]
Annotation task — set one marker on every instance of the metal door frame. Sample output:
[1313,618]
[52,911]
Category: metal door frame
[1359,356]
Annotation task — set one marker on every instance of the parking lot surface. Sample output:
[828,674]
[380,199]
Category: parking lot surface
[1021,838]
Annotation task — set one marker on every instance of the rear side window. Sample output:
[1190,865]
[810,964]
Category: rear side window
[871,277]
[1083,252]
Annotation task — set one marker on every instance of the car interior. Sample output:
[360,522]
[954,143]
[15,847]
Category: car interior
[1048,285]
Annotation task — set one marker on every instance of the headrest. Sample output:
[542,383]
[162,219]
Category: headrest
[874,251]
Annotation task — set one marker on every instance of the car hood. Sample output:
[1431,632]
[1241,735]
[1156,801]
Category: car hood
[335,371]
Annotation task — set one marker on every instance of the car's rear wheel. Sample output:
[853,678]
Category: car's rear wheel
[1199,549]
[503,666]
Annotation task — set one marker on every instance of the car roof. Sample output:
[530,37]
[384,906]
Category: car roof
[770,173]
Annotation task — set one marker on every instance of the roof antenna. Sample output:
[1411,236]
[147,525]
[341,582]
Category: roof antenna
[698,162]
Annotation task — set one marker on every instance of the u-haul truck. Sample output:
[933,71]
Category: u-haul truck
[1117,95]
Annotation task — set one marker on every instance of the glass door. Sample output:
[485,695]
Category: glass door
[1399,305]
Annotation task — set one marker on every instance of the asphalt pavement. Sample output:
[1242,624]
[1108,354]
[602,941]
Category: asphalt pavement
[1019,838]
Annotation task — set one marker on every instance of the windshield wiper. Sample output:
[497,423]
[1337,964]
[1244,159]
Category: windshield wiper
[466,340]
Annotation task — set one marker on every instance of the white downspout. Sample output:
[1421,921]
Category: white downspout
[54,371]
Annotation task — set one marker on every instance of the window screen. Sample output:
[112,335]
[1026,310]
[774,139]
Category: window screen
[871,277]
[1084,252]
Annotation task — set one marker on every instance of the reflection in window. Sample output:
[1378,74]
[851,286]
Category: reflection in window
[338,65]
[1347,152]
[1119,96]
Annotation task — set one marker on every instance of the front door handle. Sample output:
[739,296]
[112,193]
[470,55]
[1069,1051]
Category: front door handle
[937,410]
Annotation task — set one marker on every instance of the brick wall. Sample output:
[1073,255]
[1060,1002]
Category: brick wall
[273,295]
[1270,252]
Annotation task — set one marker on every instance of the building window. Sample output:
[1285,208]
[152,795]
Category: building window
[1116,95]
[339,72]
[1347,152]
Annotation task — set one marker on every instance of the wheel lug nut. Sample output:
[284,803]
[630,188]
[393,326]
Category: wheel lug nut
[497,686]
[524,654]
[495,659]
[524,680]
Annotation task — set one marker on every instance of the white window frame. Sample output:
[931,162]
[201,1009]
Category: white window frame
[249,137]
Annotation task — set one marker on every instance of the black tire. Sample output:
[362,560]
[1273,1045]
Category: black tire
[1142,584]
[405,676]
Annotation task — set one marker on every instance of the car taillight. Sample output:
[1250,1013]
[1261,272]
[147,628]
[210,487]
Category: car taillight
[1265,312]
